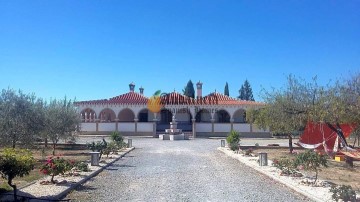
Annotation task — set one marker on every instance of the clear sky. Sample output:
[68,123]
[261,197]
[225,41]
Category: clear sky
[94,49]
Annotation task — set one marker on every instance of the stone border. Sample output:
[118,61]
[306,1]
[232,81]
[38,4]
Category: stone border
[61,193]
[319,194]
[72,187]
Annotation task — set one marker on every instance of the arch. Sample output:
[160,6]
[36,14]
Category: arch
[126,115]
[239,116]
[88,114]
[165,116]
[222,116]
[203,115]
[107,115]
[183,115]
[145,115]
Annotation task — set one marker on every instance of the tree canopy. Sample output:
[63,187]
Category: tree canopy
[226,90]
[189,89]
[21,117]
[245,92]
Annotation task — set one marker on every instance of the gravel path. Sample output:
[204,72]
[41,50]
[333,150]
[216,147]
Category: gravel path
[181,171]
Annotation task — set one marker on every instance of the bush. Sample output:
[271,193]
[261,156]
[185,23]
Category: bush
[82,166]
[111,147]
[56,166]
[117,138]
[15,162]
[233,140]
[98,146]
[286,166]
[310,161]
[343,192]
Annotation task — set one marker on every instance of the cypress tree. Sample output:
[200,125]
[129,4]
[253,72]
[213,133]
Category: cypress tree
[246,92]
[189,89]
[226,90]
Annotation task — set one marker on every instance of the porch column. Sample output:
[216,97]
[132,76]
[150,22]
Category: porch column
[136,121]
[97,125]
[251,127]
[117,125]
[232,124]
[193,128]
[212,125]
[154,127]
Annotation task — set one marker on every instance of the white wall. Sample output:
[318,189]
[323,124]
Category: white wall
[127,127]
[107,126]
[144,127]
[222,127]
[241,127]
[203,127]
[88,126]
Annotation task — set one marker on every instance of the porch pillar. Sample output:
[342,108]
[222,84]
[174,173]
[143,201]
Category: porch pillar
[117,125]
[212,125]
[193,128]
[136,121]
[232,124]
[251,127]
[154,127]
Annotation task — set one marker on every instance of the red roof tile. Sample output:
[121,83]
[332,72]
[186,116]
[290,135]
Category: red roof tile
[173,98]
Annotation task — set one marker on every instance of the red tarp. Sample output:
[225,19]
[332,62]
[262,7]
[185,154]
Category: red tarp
[316,133]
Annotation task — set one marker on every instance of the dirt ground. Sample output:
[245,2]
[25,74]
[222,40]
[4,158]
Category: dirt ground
[336,172]
[41,154]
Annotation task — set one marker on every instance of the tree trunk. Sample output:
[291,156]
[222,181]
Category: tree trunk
[316,176]
[46,142]
[53,152]
[13,144]
[52,178]
[290,144]
[14,187]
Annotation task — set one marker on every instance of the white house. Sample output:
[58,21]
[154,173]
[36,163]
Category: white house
[212,115]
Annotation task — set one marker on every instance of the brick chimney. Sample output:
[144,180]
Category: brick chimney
[132,87]
[199,90]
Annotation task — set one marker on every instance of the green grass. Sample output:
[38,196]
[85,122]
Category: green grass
[4,187]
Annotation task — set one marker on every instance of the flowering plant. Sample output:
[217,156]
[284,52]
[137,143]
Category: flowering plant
[56,166]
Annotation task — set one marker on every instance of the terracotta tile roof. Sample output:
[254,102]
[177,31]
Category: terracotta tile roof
[127,98]
[221,99]
[173,98]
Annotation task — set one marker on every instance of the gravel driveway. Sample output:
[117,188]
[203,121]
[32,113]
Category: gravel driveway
[181,171]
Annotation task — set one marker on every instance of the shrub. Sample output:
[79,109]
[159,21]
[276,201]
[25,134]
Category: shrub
[286,165]
[310,161]
[82,166]
[56,166]
[15,162]
[111,147]
[98,146]
[117,138]
[343,192]
[233,140]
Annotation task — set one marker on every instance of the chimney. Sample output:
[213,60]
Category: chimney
[199,90]
[132,87]
[141,90]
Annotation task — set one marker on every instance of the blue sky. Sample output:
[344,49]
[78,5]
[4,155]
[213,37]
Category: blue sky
[94,49]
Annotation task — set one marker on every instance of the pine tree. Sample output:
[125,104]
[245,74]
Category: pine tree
[246,92]
[189,89]
[226,90]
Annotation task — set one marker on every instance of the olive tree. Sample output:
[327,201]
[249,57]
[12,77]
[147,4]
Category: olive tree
[15,163]
[62,120]
[21,117]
